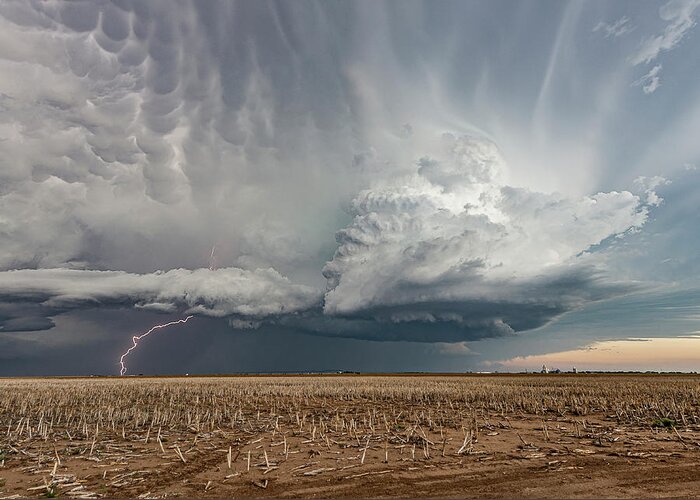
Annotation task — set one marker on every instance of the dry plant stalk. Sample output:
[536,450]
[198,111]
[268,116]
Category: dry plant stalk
[53,422]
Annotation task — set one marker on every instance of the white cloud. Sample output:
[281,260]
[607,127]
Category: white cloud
[678,15]
[618,28]
[651,81]
[649,186]
[451,243]
[224,292]
[444,251]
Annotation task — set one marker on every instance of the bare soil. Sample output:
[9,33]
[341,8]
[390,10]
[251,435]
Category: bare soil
[515,455]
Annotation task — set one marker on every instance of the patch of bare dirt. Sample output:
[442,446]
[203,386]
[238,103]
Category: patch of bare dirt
[357,448]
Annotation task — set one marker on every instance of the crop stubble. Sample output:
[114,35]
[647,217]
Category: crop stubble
[536,436]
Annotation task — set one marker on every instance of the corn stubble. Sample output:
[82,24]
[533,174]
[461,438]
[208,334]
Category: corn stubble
[90,438]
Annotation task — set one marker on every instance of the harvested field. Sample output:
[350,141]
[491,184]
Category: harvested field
[508,436]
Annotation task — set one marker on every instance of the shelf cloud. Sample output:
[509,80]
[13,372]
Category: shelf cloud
[220,293]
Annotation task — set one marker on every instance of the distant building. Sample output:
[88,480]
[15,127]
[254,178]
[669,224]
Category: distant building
[545,369]
[574,370]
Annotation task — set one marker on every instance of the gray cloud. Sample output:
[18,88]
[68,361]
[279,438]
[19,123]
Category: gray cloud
[224,292]
[18,316]
[135,136]
[507,308]
[150,134]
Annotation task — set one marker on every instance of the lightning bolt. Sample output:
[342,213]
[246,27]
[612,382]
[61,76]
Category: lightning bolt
[135,340]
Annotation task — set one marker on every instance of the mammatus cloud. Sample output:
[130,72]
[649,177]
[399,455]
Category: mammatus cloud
[149,134]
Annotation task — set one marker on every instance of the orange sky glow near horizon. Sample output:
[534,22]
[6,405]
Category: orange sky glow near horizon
[633,354]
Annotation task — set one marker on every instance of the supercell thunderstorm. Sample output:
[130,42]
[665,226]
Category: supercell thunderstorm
[148,130]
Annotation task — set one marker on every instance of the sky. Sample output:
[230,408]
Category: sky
[367,185]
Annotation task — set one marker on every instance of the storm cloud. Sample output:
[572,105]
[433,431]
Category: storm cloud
[444,252]
[449,243]
[353,169]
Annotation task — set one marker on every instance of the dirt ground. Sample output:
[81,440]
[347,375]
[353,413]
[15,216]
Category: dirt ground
[495,456]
